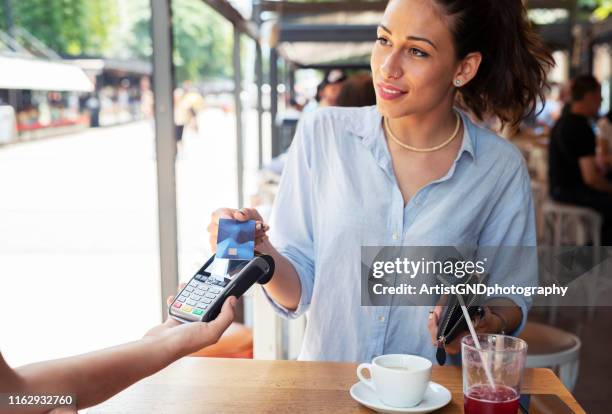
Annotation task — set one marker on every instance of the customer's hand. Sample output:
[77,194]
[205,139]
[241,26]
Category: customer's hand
[193,336]
[488,323]
[243,214]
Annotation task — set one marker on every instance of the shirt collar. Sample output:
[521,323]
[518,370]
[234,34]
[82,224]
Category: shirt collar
[369,128]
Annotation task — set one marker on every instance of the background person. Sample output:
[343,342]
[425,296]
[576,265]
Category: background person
[573,174]
[357,90]
[329,89]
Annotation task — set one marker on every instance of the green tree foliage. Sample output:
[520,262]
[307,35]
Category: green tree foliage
[202,41]
[121,28]
[70,27]
[600,9]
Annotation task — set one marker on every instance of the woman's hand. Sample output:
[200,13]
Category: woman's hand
[193,336]
[488,323]
[244,214]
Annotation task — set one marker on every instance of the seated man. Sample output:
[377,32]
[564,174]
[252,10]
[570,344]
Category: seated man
[94,377]
[573,174]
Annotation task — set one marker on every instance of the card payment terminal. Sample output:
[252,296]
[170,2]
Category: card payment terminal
[201,299]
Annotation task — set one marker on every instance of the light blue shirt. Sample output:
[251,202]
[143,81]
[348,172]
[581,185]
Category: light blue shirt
[339,192]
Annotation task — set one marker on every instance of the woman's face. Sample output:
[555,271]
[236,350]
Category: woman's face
[413,60]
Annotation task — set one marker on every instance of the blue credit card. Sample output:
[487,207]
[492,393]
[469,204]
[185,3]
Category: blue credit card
[236,239]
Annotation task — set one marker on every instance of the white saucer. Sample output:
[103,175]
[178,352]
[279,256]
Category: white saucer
[436,397]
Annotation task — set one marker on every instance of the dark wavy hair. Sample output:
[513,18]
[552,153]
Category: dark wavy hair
[515,62]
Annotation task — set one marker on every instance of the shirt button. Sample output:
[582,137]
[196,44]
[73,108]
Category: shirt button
[395,236]
[381,318]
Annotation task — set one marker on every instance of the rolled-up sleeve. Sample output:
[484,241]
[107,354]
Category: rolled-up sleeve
[291,223]
[509,242]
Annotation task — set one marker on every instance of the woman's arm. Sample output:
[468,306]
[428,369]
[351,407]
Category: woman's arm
[508,241]
[500,315]
[285,286]
[507,314]
[94,377]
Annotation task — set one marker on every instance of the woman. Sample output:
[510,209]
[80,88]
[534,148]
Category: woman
[411,170]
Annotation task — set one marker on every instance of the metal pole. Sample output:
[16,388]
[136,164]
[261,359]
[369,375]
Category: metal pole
[274,101]
[8,10]
[238,105]
[291,81]
[259,81]
[13,98]
[163,86]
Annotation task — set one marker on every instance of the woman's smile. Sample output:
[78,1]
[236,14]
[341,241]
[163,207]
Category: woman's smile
[389,92]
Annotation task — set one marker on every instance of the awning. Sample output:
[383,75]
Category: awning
[326,38]
[96,66]
[314,53]
[35,74]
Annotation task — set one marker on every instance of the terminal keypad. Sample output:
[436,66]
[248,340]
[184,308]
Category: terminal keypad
[197,296]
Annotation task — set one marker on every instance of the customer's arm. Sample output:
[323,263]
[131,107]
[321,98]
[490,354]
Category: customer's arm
[94,377]
[592,177]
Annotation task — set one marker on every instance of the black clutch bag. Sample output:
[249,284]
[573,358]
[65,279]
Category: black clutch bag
[453,321]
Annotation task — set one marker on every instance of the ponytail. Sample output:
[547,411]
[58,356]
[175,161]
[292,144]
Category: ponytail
[512,75]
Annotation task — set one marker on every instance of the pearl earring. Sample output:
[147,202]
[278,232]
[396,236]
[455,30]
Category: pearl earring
[457,82]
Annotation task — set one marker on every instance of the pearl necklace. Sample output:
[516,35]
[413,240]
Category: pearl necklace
[415,149]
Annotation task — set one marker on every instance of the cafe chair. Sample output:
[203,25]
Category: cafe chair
[571,225]
[539,189]
[236,342]
[550,347]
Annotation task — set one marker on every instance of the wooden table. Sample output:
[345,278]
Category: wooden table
[206,385]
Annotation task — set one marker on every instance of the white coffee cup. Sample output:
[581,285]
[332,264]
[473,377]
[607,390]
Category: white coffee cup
[398,380]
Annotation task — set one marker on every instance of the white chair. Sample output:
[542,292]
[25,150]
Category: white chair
[550,347]
[539,189]
[570,225]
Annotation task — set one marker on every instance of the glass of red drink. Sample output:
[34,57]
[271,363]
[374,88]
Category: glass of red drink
[492,376]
